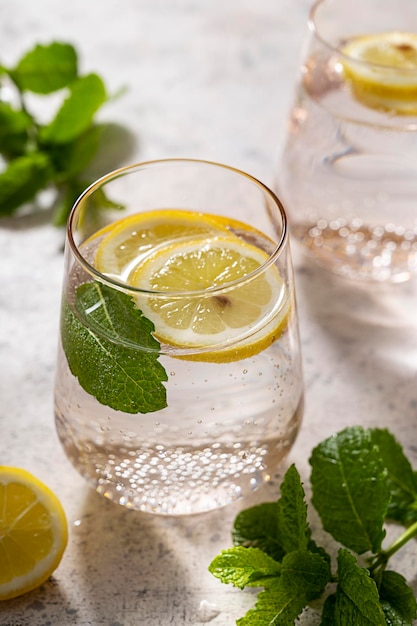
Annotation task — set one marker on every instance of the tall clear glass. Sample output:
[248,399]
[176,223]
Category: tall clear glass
[179,382]
[348,174]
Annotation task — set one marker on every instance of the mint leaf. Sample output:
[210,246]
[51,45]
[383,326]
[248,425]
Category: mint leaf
[357,599]
[305,573]
[277,527]
[70,191]
[328,615]
[46,68]
[68,194]
[274,607]
[244,567]
[293,529]
[70,159]
[105,354]
[350,489]
[87,94]
[397,599]
[68,142]
[304,576]
[257,527]
[14,127]
[22,179]
[401,477]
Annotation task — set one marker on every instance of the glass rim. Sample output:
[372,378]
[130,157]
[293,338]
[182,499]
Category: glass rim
[120,285]
[315,30]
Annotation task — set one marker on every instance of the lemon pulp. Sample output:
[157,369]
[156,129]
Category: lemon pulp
[131,237]
[33,532]
[382,70]
[200,253]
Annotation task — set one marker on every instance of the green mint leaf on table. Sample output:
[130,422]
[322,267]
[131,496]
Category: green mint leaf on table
[293,529]
[46,68]
[304,576]
[72,158]
[351,492]
[401,477]
[68,142]
[274,606]
[22,179]
[102,355]
[358,477]
[257,527]
[329,614]
[397,599]
[357,599]
[244,567]
[14,129]
[87,94]
[305,573]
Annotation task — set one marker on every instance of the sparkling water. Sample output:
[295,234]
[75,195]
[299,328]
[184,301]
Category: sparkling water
[349,178]
[224,432]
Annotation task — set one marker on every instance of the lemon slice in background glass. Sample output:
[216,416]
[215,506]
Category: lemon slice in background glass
[252,314]
[33,532]
[126,241]
[382,70]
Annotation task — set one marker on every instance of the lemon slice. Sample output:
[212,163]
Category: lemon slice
[221,325]
[126,241]
[382,69]
[33,532]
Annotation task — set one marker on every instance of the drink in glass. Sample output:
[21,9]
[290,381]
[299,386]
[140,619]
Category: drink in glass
[179,384]
[349,167]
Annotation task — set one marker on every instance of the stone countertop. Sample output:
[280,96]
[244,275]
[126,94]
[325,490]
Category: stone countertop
[207,79]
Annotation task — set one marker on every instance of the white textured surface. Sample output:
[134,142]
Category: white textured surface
[212,79]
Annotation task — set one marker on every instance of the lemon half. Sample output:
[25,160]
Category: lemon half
[382,70]
[233,323]
[33,532]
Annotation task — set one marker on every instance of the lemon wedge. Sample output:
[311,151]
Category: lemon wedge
[127,240]
[217,325]
[382,70]
[33,532]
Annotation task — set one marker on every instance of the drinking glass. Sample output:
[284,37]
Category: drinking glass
[348,174]
[179,381]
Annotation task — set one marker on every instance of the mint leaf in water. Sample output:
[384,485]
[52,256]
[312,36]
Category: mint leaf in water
[351,492]
[99,342]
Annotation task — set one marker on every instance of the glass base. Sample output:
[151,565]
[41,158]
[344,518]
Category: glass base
[178,480]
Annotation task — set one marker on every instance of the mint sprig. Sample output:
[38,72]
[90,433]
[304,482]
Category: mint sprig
[53,154]
[111,350]
[361,480]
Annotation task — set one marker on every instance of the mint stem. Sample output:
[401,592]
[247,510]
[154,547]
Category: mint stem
[408,534]
[383,557]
